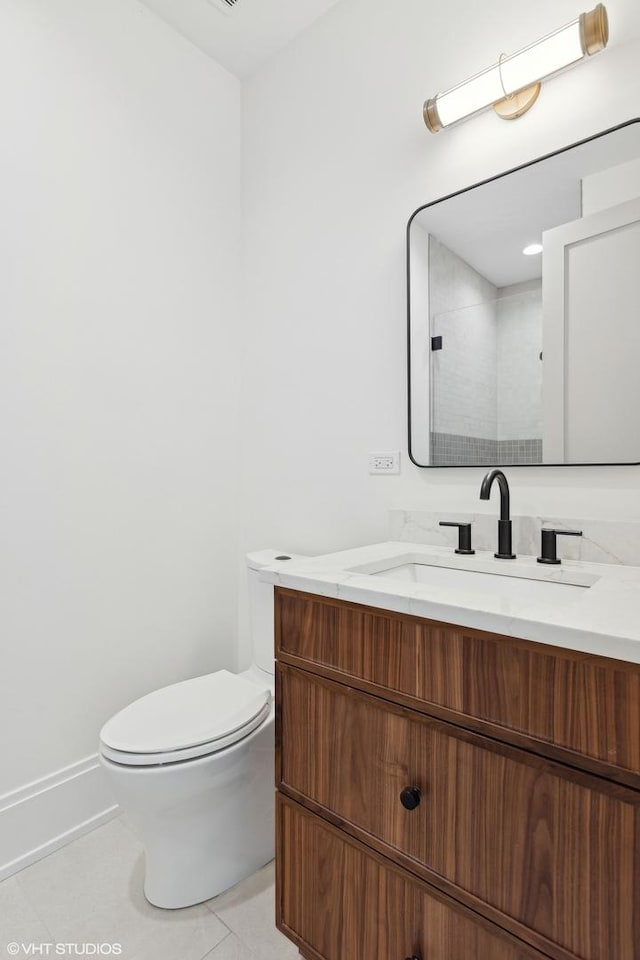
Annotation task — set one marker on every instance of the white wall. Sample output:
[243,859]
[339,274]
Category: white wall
[120,199]
[609,187]
[336,159]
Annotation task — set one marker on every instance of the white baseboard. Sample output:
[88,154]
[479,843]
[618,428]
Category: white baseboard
[43,816]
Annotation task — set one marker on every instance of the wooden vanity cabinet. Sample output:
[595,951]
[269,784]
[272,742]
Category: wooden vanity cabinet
[520,837]
[338,899]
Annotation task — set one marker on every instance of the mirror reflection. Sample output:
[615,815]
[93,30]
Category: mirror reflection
[524,301]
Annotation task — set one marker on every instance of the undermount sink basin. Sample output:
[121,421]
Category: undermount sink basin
[508,584]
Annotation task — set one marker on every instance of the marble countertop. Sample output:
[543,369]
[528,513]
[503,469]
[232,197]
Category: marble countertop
[602,618]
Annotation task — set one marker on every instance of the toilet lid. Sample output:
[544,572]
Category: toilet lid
[186,715]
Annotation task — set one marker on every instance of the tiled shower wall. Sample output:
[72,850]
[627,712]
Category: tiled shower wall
[518,363]
[487,378]
[455,449]
[464,387]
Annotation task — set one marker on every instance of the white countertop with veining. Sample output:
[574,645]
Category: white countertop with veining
[602,617]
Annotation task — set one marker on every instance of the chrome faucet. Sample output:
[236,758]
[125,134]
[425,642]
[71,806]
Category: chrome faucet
[505,551]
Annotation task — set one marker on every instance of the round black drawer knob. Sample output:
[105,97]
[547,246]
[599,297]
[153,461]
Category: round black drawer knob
[413,957]
[410,798]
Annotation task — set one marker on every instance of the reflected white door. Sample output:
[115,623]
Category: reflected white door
[591,338]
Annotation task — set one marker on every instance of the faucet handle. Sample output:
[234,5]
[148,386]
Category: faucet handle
[549,545]
[464,535]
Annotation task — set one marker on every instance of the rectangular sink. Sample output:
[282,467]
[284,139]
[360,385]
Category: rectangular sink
[507,585]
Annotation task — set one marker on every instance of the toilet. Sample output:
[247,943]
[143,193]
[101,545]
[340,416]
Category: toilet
[192,766]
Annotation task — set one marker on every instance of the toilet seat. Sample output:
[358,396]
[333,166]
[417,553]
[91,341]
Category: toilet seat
[186,720]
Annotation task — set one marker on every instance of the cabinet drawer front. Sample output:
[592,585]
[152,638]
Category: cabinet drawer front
[552,849]
[341,902]
[580,703]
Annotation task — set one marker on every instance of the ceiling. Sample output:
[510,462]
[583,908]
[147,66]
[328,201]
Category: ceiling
[244,37]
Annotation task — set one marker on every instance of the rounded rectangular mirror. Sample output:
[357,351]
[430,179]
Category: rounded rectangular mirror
[524,313]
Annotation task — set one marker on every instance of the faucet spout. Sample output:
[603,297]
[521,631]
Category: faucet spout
[505,551]
[485,492]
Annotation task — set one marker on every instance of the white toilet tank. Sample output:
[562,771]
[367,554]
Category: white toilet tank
[261,605]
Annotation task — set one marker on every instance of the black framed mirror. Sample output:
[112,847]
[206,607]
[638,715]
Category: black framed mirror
[524,313]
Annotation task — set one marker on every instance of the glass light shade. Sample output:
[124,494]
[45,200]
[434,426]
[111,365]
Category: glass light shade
[546,56]
[468,97]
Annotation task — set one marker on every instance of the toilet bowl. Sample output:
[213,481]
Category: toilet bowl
[191,765]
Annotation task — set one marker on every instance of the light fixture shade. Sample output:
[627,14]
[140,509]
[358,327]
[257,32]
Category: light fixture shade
[584,36]
[470,96]
[540,59]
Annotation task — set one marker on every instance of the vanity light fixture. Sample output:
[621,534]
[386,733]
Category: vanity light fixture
[532,249]
[512,84]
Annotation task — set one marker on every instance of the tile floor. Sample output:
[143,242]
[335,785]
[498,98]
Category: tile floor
[90,892]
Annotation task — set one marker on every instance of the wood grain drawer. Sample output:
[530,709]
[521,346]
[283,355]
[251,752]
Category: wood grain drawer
[527,841]
[574,707]
[338,901]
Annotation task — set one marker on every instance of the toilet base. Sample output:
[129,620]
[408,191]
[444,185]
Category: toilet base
[205,824]
[206,885]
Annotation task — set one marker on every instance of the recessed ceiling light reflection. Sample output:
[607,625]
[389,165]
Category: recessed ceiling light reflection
[532,249]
